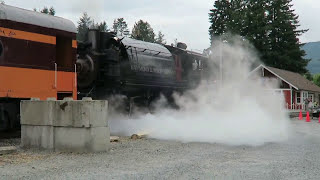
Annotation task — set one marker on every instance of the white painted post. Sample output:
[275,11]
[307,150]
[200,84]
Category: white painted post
[291,96]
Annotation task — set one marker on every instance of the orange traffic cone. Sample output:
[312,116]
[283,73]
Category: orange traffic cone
[308,117]
[300,115]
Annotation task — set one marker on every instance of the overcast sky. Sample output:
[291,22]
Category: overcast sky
[186,20]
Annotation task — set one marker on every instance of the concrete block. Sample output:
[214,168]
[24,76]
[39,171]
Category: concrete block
[37,136]
[65,116]
[87,99]
[68,99]
[80,113]
[51,99]
[99,139]
[36,113]
[72,126]
[69,139]
[96,112]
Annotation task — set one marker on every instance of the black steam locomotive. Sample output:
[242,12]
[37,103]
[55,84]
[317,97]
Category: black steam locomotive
[109,65]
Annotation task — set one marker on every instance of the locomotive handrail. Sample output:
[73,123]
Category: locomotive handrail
[75,75]
[55,75]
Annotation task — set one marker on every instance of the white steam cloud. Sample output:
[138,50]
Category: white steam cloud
[237,111]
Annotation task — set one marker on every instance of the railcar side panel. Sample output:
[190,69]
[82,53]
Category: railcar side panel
[37,59]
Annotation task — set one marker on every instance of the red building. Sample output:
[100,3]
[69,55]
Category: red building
[293,86]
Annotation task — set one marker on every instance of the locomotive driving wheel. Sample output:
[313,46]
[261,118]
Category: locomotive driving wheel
[86,71]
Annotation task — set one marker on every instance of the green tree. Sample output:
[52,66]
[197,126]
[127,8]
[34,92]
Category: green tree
[84,24]
[316,79]
[160,38]
[308,76]
[45,10]
[52,11]
[219,17]
[143,31]
[285,48]
[120,27]
[103,27]
[256,26]
[270,25]
[237,12]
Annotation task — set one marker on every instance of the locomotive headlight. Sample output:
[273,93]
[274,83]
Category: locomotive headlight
[116,38]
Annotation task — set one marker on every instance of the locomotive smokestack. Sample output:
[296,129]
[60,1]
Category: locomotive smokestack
[94,38]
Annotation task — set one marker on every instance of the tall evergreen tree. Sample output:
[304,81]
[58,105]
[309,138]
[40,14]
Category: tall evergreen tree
[219,18]
[84,24]
[256,25]
[52,11]
[103,27]
[143,31]
[45,10]
[120,26]
[270,25]
[237,11]
[285,48]
[160,38]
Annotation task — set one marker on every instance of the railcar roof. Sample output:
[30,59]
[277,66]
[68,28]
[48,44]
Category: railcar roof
[35,18]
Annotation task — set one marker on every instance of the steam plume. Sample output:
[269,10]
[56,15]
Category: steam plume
[240,110]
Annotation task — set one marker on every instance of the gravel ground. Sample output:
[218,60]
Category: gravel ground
[298,158]
[10,142]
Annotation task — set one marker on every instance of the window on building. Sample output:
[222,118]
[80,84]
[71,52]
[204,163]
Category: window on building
[298,97]
[305,95]
[311,97]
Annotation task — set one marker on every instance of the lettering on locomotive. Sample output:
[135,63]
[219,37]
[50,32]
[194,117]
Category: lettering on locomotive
[150,69]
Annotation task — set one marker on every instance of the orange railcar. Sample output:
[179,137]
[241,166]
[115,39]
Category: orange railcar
[37,59]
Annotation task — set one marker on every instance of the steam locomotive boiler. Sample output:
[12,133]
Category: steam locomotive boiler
[109,65]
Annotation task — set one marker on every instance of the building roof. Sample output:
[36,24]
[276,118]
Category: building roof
[296,80]
[35,18]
